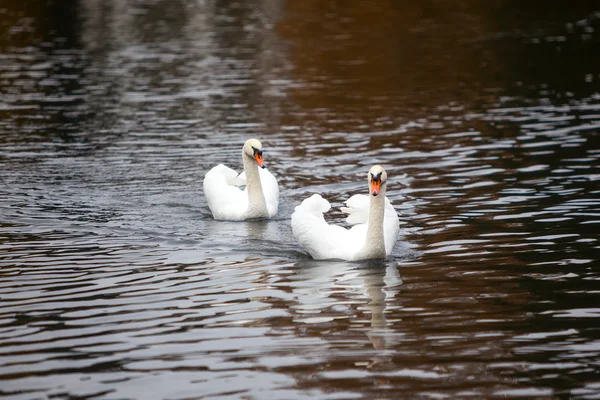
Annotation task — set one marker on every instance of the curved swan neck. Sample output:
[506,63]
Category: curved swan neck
[375,243]
[257,205]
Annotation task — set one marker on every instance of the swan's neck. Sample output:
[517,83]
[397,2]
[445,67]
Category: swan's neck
[257,206]
[375,244]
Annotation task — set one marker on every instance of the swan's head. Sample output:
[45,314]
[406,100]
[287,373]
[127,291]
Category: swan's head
[253,149]
[377,178]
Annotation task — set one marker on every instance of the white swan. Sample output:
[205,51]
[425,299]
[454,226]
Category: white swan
[260,198]
[374,235]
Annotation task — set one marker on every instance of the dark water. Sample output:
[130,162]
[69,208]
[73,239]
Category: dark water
[115,282]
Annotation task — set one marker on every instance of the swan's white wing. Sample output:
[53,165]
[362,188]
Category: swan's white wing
[225,201]
[320,239]
[270,190]
[391,226]
[358,213]
[357,209]
[238,180]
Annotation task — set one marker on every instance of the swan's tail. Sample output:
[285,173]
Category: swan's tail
[315,205]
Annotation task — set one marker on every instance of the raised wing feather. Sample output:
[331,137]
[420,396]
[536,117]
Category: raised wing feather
[391,226]
[237,180]
[357,209]
[320,239]
[358,213]
[270,190]
[224,200]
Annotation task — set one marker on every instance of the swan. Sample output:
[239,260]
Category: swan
[373,235]
[260,198]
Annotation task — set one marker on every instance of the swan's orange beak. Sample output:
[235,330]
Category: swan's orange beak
[259,158]
[375,186]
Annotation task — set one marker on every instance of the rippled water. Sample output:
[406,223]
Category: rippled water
[116,283]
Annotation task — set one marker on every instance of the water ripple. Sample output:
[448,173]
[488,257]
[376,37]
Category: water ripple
[115,280]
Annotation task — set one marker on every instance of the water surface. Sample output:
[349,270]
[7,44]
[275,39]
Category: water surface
[115,282]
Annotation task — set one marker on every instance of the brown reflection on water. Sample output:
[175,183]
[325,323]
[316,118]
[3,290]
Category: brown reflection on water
[37,22]
[360,66]
[387,58]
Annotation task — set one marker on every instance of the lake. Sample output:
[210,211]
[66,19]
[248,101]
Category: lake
[117,283]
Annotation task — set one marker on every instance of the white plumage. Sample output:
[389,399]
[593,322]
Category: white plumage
[259,198]
[373,235]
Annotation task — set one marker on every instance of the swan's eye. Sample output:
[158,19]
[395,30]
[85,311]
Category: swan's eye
[376,178]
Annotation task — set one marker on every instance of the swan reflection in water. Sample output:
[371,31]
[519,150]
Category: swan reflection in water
[336,290]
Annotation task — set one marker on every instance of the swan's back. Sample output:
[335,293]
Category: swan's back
[224,200]
[320,239]
[391,226]
[270,190]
